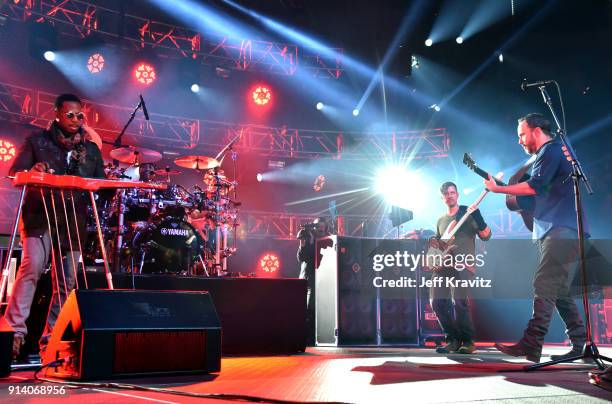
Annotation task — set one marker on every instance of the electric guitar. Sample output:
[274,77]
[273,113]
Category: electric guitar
[440,249]
[524,205]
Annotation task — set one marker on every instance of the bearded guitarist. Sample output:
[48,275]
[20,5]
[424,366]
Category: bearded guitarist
[446,300]
[555,231]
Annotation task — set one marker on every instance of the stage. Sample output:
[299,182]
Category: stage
[358,375]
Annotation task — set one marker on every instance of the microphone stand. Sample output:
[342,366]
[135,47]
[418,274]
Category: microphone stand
[590,349]
[121,202]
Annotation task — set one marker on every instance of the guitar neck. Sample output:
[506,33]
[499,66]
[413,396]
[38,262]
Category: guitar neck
[465,216]
[485,175]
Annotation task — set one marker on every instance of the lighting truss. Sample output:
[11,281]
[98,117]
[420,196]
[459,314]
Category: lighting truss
[81,19]
[301,143]
[285,226]
[34,107]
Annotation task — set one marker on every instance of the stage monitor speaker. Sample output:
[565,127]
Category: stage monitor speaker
[103,334]
[6,347]
[350,309]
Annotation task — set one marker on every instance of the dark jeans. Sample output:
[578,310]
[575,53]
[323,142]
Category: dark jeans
[452,305]
[551,282]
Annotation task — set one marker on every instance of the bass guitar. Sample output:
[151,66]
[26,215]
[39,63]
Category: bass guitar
[441,249]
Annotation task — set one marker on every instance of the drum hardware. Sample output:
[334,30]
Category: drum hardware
[195,221]
[135,155]
[197,162]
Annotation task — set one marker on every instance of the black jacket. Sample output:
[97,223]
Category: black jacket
[43,147]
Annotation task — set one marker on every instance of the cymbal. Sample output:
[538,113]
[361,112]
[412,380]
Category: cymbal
[197,162]
[133,155]
[166,171]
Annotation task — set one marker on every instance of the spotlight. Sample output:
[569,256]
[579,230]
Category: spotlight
[459,40]
[269,262]
[501,58]
[49,56]
[400,187]
[428,42]
[355,112]
[262,95]
[435,107]
[95,63]
[414,62]
[319,106]
[145,73]
[195,88]
[7,150]
[259,177]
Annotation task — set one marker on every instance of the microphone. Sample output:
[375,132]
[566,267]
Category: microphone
[144,108]
[525,85]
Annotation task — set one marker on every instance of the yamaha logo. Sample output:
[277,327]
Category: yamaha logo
[174,232]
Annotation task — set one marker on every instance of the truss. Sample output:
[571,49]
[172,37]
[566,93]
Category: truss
[284,225]
[81,19]
[34,107]
[284,142]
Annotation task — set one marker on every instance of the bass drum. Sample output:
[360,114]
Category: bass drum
[170,245]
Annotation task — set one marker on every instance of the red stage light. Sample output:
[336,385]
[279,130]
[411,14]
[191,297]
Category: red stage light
[269,262]
[95,63]
[7,150]
[145,73]
[261,95]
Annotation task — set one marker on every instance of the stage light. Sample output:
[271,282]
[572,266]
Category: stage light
[49,56]
[435,107]
[355,112]
[501,58]
[262,95]
[259,177]
[414,62]
[319,183]
[459,40]
[7,150]
[269,262]
[400,187]
[95,63]
[319,106]
[145,73]
[195,88]
[428,42]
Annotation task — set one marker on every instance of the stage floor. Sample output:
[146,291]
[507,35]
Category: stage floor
[357,375]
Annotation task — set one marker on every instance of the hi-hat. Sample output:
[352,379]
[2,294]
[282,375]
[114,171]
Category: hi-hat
[167,171]
[135,155]
[197,162]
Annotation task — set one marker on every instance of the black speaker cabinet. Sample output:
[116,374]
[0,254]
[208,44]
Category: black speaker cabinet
[6,347]
[102,334]
[353,306]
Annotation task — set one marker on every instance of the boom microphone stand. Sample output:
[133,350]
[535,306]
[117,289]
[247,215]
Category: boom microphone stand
[121,194]
[590,349]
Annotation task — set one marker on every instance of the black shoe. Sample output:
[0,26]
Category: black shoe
[467,348]
[520,350]
[576,351]
[451,346]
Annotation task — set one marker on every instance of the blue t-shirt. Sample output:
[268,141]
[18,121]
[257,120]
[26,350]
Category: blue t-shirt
[554,201]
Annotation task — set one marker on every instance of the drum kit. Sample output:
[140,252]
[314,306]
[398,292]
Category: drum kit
[177,230]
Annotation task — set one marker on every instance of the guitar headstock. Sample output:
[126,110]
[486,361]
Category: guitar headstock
[469,161]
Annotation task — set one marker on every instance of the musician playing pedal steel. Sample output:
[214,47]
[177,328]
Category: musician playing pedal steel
[63,148]
[555,231]
[446,298]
